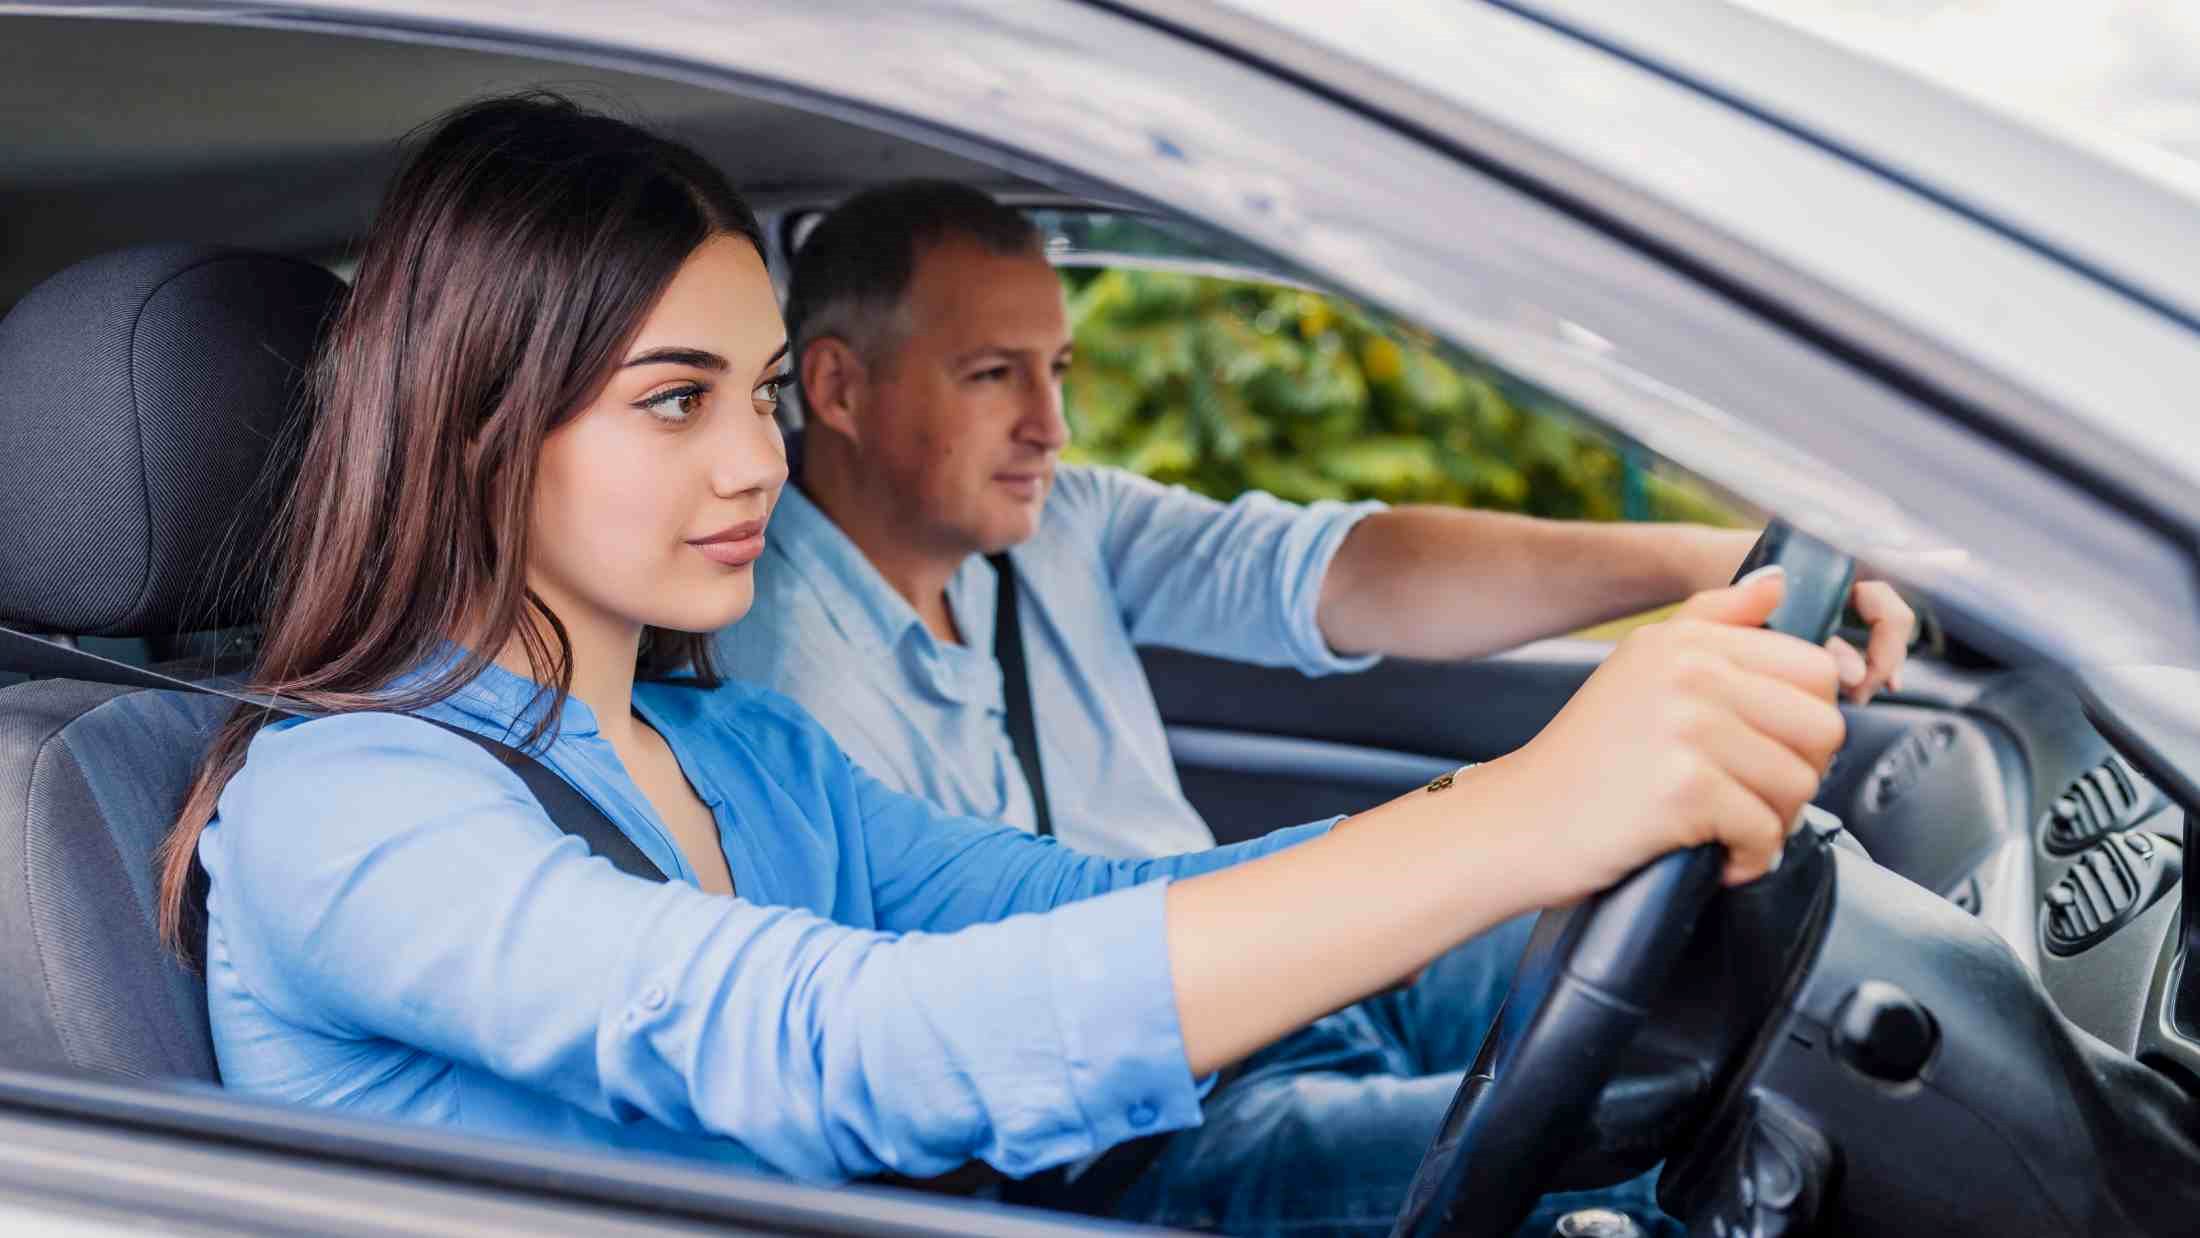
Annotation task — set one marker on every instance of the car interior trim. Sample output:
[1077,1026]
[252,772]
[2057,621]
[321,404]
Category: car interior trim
[1310,759]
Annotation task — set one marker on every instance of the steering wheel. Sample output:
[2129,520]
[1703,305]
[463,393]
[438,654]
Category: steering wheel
[1585,984]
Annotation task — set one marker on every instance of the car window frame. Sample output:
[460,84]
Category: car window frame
[274,1140]
[1650,382]
[1670,367]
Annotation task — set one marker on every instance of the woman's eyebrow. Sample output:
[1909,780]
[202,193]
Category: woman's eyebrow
[775,358]
[678,356]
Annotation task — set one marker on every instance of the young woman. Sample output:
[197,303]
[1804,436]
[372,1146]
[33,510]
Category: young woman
[542,461]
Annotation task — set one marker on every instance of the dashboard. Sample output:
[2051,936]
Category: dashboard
[2013,805]
[1998,790]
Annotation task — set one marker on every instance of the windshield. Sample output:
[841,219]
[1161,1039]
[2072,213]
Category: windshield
[2119,76]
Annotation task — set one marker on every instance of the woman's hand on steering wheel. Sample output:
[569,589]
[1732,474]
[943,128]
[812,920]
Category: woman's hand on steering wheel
[1703,728]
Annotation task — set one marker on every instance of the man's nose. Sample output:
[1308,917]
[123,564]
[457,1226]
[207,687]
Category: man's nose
[750,456]
[1046,423]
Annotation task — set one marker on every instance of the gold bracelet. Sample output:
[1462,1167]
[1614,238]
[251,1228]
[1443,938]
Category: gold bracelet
[1441,781]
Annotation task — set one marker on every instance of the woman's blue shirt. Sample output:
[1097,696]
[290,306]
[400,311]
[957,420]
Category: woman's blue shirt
[396,928]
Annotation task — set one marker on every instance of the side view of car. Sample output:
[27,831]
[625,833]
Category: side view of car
[1962,1006]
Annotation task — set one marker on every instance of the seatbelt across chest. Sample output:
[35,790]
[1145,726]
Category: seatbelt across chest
[1023,723]
[567,808]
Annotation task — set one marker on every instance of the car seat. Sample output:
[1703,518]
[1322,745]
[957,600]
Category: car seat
[150,413]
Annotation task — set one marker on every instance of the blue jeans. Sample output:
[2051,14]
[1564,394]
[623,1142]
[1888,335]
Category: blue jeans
[1322,1131]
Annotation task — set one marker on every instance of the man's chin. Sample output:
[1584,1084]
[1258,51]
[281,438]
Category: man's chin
[1009,533]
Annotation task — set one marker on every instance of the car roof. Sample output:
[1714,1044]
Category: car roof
[1937,241]
[2086,205]
[2120,218]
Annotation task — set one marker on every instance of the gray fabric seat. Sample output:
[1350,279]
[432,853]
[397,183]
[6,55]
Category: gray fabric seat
[90,778]
[148,403]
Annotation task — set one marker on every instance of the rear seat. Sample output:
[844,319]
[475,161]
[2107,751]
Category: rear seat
[148,418]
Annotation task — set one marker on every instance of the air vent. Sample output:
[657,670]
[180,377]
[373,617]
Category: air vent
[2111,796]
[1904,764]
[2108,886]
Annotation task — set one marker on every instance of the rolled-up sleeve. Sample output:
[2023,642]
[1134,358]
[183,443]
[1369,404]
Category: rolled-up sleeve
[1240,580]
[374,877]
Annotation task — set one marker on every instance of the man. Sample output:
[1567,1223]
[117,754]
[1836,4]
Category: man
[930,338]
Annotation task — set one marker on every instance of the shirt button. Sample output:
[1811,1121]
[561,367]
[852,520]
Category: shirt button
[653,997]
[1143,1115]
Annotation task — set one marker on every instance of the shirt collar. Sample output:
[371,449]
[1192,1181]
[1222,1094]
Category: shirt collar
[497,697]
[868,609]
[858,598]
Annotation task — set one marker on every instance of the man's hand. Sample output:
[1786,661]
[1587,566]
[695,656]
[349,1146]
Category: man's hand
[1892,624]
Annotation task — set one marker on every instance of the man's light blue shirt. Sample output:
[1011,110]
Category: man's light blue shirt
[395,927]
[1118,561]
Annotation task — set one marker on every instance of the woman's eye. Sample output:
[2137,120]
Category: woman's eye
[993,374]
[676,405]
[769,391]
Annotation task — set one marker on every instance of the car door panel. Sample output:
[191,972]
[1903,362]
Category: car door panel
[1931,792]
[1246,785]
[1475,709]
[1257,747]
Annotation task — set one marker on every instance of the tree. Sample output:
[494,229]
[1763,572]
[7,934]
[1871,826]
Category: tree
[1227,385]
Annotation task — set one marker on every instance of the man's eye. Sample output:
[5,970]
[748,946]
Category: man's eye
[991,374]
[677,404]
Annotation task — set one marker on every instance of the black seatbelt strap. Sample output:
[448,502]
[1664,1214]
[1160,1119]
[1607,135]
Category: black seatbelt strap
[567,808]
[1023,724]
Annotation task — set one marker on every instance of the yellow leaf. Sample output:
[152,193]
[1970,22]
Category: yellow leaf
[1314,315]
[1381,360]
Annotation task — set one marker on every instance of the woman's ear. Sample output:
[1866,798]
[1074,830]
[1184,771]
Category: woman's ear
[833,386]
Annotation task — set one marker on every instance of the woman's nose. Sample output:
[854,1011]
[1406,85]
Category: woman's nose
[751,456]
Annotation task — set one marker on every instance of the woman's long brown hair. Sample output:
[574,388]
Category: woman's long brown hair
[516,253]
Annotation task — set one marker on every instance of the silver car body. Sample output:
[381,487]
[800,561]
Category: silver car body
[1955,347]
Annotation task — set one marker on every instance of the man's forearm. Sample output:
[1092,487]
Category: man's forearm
[1433,582]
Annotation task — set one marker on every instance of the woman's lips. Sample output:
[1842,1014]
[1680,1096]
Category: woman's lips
[737,546]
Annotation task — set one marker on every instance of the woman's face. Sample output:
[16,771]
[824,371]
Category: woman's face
[650,505]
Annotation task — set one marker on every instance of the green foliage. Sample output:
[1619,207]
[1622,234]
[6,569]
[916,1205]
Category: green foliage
[1225,385]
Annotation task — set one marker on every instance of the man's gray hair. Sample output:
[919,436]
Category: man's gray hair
[851,276]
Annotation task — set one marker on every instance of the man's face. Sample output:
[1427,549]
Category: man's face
[963,421]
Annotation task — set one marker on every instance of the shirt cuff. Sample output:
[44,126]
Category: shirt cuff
[1115,996]
[1309,648]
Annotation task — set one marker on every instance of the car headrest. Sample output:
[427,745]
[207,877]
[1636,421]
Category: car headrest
[147,400]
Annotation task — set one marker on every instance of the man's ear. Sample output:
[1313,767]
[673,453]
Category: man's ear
[833,385]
